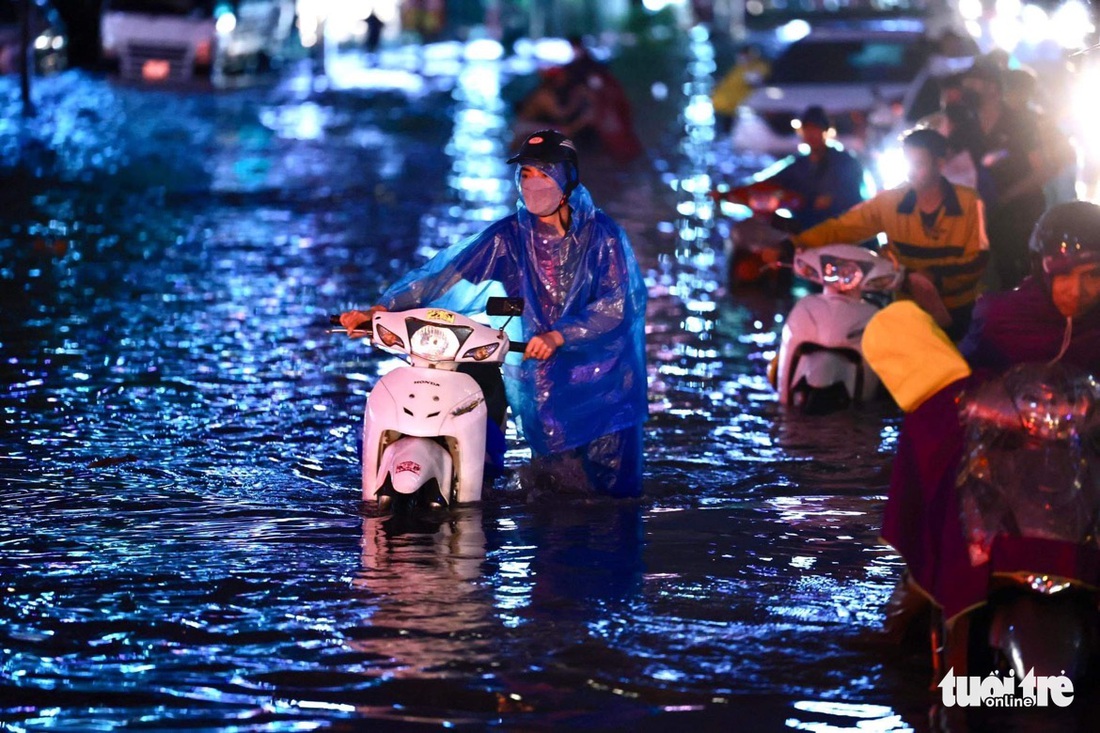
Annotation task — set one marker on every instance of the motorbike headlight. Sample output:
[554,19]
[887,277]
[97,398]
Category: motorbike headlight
[481,353]
[435,343]
[842,274]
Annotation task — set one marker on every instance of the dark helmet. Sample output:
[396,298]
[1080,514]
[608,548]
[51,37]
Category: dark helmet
[925,138]
[816,115]
[550,146]
[1066,236]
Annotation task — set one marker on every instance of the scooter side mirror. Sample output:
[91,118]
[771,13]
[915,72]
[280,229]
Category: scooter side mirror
[504,307]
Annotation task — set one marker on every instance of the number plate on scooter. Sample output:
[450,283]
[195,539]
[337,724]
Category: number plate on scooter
[444,316]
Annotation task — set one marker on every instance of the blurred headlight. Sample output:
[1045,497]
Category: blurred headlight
[971,9]
[893,167]
[226,23]
[1086,106]
[1035,24]
[1071,24]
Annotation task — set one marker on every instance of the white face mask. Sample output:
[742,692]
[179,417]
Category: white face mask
[541,195]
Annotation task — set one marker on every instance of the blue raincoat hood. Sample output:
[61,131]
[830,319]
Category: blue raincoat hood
[586,285]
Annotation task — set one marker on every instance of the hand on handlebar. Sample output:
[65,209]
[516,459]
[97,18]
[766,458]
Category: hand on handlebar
[543,346]
[354,320]
[923,292]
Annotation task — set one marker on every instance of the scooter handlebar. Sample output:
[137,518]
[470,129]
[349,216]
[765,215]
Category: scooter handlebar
[517,346]
[366,326]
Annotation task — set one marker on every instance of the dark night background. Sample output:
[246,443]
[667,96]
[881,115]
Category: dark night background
[82,19]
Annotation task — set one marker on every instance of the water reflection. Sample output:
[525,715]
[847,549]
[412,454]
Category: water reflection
[847,717]
[429,610]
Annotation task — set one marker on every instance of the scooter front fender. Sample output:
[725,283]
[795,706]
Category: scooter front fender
[427,403]
[821,343]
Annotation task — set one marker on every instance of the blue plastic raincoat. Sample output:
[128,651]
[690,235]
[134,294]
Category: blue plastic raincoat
[586,285]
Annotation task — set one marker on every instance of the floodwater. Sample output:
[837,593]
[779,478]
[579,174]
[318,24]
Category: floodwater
[182,544]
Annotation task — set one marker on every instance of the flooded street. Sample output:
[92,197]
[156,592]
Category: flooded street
[183,546]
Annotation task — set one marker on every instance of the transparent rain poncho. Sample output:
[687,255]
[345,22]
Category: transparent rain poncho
[1031,466]
[587,286]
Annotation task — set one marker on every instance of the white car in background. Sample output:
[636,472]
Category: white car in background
[162,40]
[870,82]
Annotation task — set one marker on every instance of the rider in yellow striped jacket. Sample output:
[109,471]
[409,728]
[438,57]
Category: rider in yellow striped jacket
[933,227]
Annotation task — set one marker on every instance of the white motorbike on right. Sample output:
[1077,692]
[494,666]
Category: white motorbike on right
[821,366]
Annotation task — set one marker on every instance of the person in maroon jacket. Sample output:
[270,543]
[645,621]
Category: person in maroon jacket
[1053,316]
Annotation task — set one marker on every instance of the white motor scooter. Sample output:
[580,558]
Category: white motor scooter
[820,364]
[424,431]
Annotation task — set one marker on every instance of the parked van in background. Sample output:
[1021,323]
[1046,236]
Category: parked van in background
[161,40]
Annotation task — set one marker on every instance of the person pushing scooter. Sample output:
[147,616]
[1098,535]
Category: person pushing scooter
[579,397]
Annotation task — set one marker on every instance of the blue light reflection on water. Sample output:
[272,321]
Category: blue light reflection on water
[179,441]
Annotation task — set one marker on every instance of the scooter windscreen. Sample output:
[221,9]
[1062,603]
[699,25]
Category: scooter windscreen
[1031,466]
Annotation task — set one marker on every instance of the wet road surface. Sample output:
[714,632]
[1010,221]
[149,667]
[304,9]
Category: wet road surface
[182,544]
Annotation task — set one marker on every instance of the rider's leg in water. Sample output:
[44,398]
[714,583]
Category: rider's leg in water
[610,465]
[613,463]
[906,605]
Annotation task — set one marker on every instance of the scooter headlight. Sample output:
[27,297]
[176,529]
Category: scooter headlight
[481,353]
[842,274]
[434,343]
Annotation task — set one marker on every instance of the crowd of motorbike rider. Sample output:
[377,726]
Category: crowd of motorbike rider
[990,136]
[977,197]
[974,215]
[580,395]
